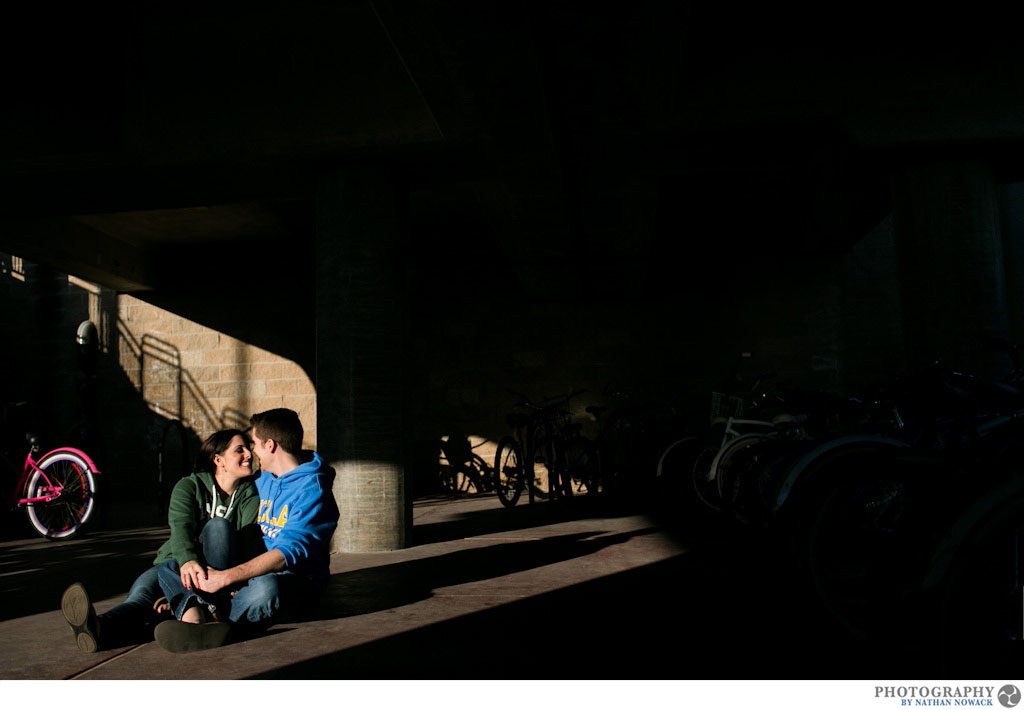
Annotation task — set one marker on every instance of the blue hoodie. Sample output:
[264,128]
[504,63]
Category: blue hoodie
[298,515]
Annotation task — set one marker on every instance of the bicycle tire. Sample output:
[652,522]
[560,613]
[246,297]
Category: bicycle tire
[479,474]
[981,609]
[509,472]
[65,516]
[721,468]
[746,469]
[979,586]
[704,487]
[866,544]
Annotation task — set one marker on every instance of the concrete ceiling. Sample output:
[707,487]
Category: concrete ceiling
[135,137]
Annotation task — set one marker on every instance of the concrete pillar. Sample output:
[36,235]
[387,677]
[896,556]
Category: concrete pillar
[951,267]
[360,357]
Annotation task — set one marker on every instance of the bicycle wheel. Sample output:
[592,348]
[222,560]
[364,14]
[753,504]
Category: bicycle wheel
[509,472]
[746,468]
[581,466]
[705,488]
[869,542]
[481,474]
[727,464]
[64,516]
[979,614]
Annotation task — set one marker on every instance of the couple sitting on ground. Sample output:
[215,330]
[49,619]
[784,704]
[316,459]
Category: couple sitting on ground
[241,555]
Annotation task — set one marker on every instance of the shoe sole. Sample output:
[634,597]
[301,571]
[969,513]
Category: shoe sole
[182,637]
[76,607]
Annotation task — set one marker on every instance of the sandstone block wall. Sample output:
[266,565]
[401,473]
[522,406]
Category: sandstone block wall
[209,380]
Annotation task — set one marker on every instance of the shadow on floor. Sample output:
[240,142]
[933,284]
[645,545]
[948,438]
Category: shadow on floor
[688,617]
[498,519]
[389,586]
[34,574]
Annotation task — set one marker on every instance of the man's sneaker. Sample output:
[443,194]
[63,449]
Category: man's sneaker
[182,637]
[81,617]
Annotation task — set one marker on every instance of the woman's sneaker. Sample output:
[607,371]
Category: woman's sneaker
[162,610]
[182,637]
[81,617]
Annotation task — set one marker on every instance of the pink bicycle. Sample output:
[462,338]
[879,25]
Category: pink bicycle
[57,490]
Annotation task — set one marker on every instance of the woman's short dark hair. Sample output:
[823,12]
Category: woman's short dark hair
[281,425]
[215,444]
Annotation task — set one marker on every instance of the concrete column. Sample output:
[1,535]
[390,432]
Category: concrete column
[360,357]
[951,267]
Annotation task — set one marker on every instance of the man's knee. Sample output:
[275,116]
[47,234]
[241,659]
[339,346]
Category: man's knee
[265,587]
[259,601]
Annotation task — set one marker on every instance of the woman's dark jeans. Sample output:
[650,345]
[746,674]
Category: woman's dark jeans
[219,549]
[131,620]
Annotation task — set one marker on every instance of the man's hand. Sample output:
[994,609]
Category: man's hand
[214,581]
[192,575]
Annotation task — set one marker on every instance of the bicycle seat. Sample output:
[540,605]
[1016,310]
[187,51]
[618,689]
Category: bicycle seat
[34,441]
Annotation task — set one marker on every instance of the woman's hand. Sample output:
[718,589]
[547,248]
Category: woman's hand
[192,575]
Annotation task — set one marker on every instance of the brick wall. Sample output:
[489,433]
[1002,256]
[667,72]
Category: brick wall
[153,367]
[208,380]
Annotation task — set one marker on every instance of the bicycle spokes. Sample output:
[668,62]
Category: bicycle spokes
[60,494]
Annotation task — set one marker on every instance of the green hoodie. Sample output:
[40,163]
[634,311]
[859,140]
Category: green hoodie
[192,500]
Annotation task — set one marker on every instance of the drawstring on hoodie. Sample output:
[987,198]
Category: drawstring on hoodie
[213,506]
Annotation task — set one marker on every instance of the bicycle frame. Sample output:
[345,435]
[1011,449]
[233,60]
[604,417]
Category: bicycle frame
[30,465]
[758,429]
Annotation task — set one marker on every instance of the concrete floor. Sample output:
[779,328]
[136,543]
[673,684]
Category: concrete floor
[577,590]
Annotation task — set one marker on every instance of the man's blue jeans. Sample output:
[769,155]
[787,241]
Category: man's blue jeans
[272,598]
[219,549]
[131,620]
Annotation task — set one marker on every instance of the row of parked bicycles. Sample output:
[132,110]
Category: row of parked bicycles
[901,507]
[547,454]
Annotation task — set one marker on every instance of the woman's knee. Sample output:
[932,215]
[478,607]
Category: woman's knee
[218,541]
[218,525]
[168,569]
[216,530]
[146,587]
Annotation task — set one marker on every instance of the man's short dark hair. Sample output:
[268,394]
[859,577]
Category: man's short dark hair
[281,425]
